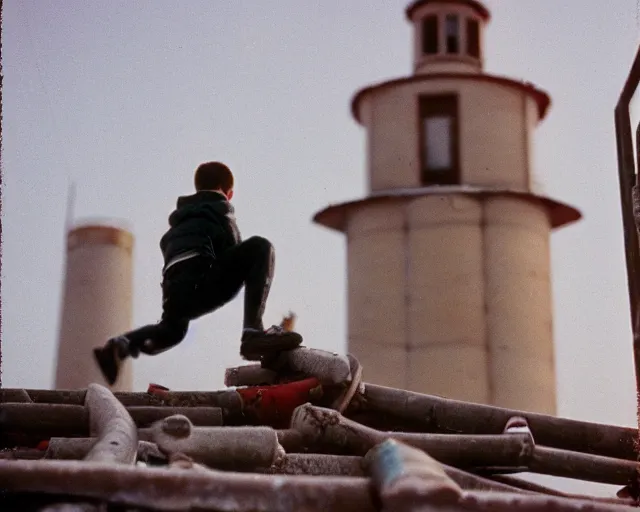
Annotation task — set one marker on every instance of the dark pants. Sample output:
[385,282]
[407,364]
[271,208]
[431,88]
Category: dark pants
[201,285]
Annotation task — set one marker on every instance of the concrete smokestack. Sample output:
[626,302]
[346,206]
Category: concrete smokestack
[97,303]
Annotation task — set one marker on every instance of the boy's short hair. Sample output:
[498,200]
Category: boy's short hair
[212,176]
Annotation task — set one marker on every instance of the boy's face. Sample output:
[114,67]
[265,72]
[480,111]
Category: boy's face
[230,194]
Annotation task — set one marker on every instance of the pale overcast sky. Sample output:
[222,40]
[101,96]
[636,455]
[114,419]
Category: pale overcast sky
[126,98]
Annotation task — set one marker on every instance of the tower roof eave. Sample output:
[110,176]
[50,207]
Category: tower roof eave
[482,11]
[541,97]
[335,216]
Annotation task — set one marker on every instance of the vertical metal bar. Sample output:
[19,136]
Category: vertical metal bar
[637,148]
[627,179]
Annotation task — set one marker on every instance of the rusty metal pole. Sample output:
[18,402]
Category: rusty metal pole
[627,179]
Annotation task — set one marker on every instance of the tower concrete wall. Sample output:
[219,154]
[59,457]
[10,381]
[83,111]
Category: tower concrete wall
[519,311]
[450,295]
[97,303]
[496,128]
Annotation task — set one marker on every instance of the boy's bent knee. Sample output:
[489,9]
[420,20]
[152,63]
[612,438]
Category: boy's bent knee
[260,243]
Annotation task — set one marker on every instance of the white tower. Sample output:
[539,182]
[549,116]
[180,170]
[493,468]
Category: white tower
[449,288]
[97,303]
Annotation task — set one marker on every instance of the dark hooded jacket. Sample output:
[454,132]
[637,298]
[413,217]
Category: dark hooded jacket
[203,222]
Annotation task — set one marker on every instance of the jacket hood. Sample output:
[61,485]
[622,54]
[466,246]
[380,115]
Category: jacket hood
[199,197]
[196,204]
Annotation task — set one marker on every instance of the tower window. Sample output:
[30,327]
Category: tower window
[439,144]
[473,38]
[452,33]
[430,35]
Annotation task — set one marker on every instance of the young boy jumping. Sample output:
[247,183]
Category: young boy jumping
[205,266]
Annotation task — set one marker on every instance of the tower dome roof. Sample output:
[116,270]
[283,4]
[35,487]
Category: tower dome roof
[482,11]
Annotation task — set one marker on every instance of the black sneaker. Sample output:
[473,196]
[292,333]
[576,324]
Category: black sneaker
[110,357]
[257,343]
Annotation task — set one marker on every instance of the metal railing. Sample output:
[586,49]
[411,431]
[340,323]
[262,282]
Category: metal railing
[628,178]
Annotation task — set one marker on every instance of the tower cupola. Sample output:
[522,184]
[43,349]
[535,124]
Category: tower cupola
[447,35]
